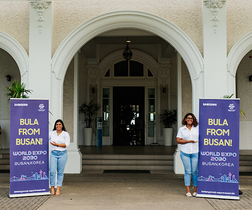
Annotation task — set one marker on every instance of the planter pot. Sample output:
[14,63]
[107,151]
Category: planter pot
[168,136]
[88,135]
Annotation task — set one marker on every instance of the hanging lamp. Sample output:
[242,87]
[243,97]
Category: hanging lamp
[127,53]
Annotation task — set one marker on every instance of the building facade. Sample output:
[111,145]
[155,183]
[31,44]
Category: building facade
[70,51]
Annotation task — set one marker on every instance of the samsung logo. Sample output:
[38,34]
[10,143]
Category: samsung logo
[209,104]
[20,104]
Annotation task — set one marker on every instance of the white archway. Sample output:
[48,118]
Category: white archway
[127,19]
[18,53]
[121,20]
[236,54]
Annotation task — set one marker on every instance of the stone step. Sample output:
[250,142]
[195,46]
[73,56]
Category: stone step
[245,163]
[245,168]
[121,157]
[127,162]
[4,156]
[126,167]
[245,157]
[4,167]
[4,161]
[5,151]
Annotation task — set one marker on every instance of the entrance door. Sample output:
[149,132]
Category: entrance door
[128,116]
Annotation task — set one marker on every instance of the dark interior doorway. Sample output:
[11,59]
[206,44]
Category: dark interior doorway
[128,120]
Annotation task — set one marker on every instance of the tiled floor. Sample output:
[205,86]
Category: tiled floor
[245,201]
[27,203]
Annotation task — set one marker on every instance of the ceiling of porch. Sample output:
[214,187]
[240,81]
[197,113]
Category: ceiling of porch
[107,43]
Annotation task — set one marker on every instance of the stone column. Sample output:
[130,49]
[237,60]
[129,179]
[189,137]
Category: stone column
[215,48]
[74,162]
[40,49]
[178,165]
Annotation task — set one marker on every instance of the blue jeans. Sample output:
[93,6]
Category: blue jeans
[190,162]
[58,161]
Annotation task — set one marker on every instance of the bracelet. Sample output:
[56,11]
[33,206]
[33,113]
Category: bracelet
[57,145]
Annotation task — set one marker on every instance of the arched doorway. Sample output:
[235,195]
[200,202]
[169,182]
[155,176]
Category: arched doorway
[126,19]
[123,20]
[236,54]
[14,62]
[239,65]
[244,92]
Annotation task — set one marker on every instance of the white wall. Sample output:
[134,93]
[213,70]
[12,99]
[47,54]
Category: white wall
[14,16]
[245,135]
[238,25]
[185,14]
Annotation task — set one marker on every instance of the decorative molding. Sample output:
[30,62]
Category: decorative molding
[214,5]
[129,19]
[237,53]
[40,6]
[93,74]
[164,74]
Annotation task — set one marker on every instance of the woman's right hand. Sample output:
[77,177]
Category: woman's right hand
[192,141]
[181,141]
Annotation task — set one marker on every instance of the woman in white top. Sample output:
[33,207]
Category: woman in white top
[59,140]
[188,137]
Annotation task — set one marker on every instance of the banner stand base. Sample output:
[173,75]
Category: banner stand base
[218,196]
[28,194]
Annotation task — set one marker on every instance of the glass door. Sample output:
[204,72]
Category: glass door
[128,116]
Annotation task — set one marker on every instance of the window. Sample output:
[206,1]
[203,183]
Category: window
[107,73]
[128,68]
[151,111]
[150,73]
[105,111]
[136,69]
[121,69]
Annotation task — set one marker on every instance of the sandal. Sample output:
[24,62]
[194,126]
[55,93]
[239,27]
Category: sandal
[57,193]
[52,191]
[188,194]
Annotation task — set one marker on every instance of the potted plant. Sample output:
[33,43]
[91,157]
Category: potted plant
[168,118]
[89,110]
[17,90]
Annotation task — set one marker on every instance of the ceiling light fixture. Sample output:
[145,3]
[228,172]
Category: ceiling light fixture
[127,53]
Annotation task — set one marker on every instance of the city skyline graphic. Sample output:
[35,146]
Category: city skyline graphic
[230,178]
[41,175]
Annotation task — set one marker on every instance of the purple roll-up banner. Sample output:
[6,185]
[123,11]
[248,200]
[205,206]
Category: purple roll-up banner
[29,147]
[218,168]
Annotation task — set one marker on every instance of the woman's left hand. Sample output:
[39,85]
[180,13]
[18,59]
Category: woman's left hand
[54,143]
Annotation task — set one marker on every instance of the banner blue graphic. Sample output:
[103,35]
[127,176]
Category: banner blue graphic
[218,169]
[29,147]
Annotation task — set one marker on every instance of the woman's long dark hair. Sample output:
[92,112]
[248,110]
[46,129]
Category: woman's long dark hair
[59,120]
[195,121]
